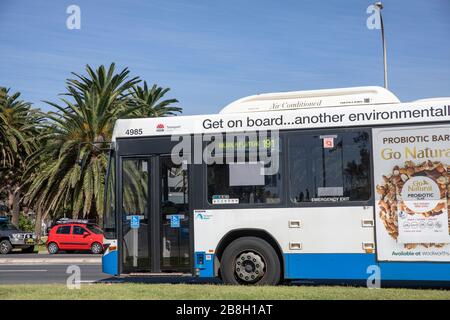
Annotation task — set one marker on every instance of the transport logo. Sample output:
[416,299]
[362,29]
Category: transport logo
[160,127]
[202,216]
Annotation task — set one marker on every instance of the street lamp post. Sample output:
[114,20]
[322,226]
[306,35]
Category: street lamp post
[379,5]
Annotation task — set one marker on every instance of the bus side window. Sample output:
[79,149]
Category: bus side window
[329,168]
[234,182]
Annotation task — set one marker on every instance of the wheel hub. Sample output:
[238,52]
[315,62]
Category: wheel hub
[249,266]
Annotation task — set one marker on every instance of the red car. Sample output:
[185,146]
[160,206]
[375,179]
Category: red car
[72,236]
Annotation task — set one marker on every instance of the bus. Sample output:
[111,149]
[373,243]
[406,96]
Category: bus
[336,184]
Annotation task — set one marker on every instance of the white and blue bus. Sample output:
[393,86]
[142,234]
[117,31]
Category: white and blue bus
[333,184]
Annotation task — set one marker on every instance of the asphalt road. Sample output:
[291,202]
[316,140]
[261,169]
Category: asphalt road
[47,274]
[52,271]
[46,255]
[17,269]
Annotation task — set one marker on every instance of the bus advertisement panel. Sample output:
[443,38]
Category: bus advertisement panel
[412,173]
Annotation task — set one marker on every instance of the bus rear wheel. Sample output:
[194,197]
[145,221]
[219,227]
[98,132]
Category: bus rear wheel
[251,261]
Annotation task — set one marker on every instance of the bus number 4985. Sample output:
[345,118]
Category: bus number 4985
[134,132]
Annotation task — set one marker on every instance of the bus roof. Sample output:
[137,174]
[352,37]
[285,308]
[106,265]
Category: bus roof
[311,99]
[359,106]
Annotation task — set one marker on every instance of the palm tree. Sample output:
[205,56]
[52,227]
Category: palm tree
[150,101]
[19,124]
[72,164]
[14,127]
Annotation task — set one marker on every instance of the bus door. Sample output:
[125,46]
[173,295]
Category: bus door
[155,224]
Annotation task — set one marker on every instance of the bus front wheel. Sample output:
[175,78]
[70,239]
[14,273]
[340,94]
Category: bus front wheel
[250,260]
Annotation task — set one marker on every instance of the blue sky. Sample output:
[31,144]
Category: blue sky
[211,52]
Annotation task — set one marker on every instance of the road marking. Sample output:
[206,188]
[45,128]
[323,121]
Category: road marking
[38,270]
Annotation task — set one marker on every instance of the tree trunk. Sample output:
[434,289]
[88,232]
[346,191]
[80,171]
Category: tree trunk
[38,223]
[93,214]
[10,198]
[16,207]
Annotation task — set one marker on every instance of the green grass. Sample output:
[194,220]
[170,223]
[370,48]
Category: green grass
[200,291]
[41,248]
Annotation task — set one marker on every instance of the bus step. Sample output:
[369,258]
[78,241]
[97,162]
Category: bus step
[161,274]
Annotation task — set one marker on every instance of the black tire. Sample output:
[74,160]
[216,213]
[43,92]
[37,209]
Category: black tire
[256,250]
[96,248]
[5,247]
[30,249]
[52,248]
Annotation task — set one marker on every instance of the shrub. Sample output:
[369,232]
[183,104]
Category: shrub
[25,223]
